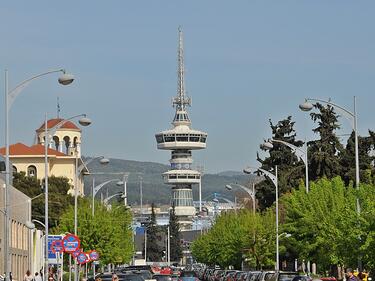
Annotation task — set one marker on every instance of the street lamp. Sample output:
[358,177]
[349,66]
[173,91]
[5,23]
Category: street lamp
[10,96]
[48,134]
[351,116]
[274,179]
[246,189]
[95,190]
[106,200]
[301,153]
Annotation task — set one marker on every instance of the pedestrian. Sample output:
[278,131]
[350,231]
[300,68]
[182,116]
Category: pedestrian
[37,277]
[114,277]
[28,276]
[350,275]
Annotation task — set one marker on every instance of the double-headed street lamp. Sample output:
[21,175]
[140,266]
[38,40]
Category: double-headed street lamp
[10,96]
[351,116]
[249,191]
[95,190]
[301,153]
[273,178]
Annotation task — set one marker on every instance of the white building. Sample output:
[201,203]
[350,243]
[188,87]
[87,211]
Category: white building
[181,139]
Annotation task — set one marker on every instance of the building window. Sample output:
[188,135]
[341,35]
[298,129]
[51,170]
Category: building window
[31,171]
[56,140]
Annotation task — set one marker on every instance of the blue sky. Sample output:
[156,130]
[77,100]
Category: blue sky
[246,62]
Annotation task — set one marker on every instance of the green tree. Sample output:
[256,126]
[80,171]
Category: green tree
[324,153]
[325,226]
[175,239]
[58,198]
[236,236]
[109,231]
[365,145]
[154,251]
[290,168]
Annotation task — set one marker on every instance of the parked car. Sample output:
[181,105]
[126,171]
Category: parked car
[162,277]
[188,276]
[253,275]
[283,276]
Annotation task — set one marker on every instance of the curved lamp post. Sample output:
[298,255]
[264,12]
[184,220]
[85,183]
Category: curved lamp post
[10,96]
[106,200]
[351,116]
[48,134]
[95,190]
[301,153]
[249,191]
[274,179]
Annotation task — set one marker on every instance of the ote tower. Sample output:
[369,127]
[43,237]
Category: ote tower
[181,140]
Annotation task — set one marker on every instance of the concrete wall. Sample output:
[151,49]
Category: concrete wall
[20,238]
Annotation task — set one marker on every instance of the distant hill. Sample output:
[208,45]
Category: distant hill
[154,189]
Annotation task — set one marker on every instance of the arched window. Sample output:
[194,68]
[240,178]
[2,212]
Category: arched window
[56,140]
[75,142]
[31,171]
[67,144]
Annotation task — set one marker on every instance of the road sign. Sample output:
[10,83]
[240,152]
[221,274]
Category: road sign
[94,255]
[76,253]
[53,258]
[71,243]
[57,246]
[82,258]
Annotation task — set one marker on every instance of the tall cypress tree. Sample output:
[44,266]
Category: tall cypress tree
[324,154]
[366,170]
[290,168]
[154,251]
[175,239]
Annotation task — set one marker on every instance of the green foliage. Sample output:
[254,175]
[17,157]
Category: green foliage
[109,231]
[291,170]
[236,236]
[154,251]
[58,198]
[325,226]
[324,153]
[365,145]
[175,239]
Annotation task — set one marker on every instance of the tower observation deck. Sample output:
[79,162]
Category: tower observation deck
[181,139]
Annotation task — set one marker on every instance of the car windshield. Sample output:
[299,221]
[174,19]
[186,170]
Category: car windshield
[286,276]
[131,277]
[145,274]
[188,274]
[162,277]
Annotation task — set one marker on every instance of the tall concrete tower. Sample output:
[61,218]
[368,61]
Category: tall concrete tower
[181,140]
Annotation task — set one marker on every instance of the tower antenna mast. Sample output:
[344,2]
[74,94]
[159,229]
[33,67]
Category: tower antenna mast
[181,101]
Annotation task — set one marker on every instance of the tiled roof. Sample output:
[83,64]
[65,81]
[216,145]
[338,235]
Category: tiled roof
[53,122]
[21,149]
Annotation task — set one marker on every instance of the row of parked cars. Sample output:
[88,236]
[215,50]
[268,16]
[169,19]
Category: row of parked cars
[147,273]
[211,274]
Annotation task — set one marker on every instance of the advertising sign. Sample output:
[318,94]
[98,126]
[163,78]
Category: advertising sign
[94,255]
[54,257]
[71,243]
[82,258]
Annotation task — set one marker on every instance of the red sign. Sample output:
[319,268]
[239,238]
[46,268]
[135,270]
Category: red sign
[71,243]
[57,246]
[94,255]
[83,258]
[76,253]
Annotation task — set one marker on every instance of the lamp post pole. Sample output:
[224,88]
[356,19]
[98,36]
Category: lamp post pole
[10,97]
[351,116]
[274,179]
[301,153]
[247,190]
